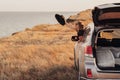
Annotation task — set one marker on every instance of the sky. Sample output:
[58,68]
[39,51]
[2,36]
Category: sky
[50,5]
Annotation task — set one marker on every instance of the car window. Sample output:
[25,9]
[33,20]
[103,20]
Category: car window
[108,34]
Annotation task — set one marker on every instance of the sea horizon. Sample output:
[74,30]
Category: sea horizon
[11,22]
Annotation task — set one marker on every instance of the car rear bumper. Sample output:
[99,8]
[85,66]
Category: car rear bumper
[100,75]
[96,79]
[82,78]
[103,79]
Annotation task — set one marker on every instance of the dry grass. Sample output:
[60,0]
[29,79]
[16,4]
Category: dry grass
[37,55]
[85,17]
[44,52]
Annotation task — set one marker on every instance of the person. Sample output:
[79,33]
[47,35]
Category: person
[76,25]
[82,32]
[80,35]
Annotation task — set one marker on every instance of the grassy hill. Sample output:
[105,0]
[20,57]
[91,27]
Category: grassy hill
[44,52]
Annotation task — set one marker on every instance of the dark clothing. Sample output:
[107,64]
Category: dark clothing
[84,33]
[80,32]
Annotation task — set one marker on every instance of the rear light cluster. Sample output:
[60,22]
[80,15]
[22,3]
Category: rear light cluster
[88,51]
[89,73]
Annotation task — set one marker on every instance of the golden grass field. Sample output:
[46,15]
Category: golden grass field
[44,52]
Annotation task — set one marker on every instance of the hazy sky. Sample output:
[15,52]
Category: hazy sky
[50,5]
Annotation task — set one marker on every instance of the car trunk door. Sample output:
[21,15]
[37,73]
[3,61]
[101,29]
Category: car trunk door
[107,14]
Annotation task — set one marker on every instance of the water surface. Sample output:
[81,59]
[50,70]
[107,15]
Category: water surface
[11,22]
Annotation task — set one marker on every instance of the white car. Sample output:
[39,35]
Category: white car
[98,58]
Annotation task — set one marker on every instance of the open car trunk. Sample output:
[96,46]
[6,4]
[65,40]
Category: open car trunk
[107,43]
[108,50]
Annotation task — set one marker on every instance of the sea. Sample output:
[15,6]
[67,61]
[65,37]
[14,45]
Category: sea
[11,22]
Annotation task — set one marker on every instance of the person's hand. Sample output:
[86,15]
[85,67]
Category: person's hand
[81,39]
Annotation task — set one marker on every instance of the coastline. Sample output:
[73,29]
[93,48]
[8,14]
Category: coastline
[42,52]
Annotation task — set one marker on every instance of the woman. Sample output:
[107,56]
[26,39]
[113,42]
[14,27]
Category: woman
[82,32]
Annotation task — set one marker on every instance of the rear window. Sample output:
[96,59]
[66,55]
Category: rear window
[110,34]
[109,37]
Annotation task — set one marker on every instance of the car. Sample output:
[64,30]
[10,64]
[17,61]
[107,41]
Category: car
[98,58]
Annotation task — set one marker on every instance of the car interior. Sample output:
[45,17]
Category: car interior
[108,50]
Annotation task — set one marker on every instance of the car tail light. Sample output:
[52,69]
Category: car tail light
[89,73]
[88,51]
